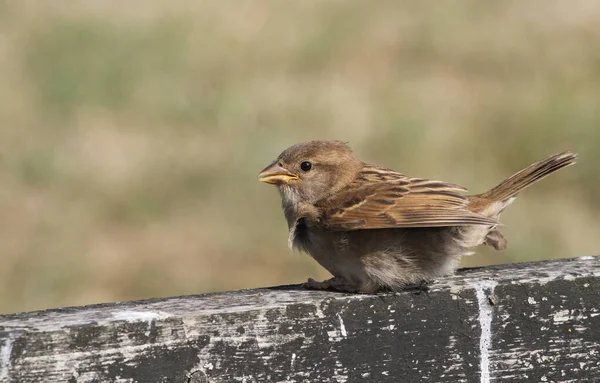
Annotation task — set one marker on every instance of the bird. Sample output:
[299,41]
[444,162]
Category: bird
[377,229]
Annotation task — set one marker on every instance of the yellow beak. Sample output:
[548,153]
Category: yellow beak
[276,175]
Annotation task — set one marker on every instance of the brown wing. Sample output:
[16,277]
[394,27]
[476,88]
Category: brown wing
[397,201]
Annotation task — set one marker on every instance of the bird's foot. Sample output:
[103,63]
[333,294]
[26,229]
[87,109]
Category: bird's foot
[418,288]
[335,283]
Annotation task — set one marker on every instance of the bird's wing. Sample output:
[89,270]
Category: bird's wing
[391,200]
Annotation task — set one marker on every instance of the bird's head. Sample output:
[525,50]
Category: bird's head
[310,171]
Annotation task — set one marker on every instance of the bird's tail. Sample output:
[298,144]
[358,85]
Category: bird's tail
[495,200]
[511,186]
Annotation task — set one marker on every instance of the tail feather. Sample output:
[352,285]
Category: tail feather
[494,201]
[514,184]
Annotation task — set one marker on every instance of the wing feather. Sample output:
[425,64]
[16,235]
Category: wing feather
[384,199]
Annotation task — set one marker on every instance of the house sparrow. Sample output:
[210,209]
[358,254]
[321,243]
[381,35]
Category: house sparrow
[374,228]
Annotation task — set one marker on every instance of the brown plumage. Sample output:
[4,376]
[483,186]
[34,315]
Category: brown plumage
[376,228]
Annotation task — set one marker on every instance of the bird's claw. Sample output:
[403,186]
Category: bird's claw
[335,283]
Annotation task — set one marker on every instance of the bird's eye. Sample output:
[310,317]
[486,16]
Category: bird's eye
[305,166]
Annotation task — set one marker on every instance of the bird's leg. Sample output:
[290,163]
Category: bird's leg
[335,283]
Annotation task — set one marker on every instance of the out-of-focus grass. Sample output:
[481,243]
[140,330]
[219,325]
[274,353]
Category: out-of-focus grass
[131,133]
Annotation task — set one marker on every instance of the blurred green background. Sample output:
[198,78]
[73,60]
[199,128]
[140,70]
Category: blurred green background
[131,133]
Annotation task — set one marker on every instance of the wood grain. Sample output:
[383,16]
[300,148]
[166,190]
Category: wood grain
[536,322]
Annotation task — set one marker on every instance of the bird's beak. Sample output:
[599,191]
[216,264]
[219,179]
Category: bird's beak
[276,175]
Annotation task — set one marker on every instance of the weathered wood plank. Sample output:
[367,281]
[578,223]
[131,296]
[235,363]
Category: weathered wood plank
[521,322]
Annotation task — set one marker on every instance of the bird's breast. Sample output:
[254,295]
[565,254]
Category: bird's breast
[299,239]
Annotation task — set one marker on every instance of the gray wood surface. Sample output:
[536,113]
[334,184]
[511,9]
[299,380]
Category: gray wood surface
[532,322]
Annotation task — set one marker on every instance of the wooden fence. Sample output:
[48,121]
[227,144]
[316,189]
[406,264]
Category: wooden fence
[529,322]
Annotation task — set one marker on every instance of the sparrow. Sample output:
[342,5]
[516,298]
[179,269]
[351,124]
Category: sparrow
[374,228]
